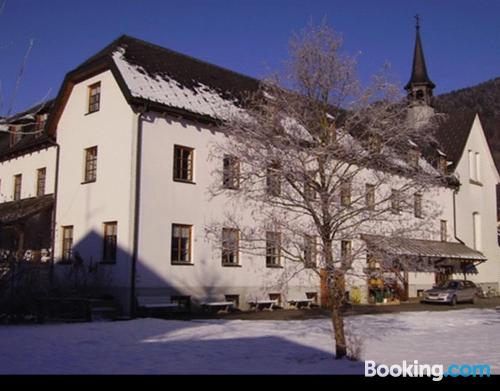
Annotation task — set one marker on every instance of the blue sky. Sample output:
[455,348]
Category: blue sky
[461,38]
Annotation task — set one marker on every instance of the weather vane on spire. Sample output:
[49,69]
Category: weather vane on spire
[417,18]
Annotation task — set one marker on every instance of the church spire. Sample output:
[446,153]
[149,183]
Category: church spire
[420,86]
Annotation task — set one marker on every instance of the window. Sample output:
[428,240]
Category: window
[374,144]
[472,169]
[477,166]
[372,261]
[417,205]
[183,163]
[273,249]
[230,246]
[94,97]
[184,302]
[235,299]
[345,193]
[312,296]
[40,121]
[15,135]
[345,252]
[310,193]
[476,221]
[444,230]
[67,243]
[396,201]
[276,297]
[370,196]
[18,179]
[443,164]
[310,251]
[413,156]
[109,243]
[231,172]
[41,175]
[90,165]
[273,180]
[181,243]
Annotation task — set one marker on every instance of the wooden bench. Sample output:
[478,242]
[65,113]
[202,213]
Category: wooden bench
[299,303]
[263,304]
[150,304]
[217,306]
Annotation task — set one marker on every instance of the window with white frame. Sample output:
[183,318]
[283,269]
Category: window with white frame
[90,173]
[477,166]
[41,176]
[444,230]
[417,206]
[310,251]
[181,244]
[345,193]
[273,249]
[230,246]
[231,172]
[67,243]
[18,179]
[183,163]
[94,103]
[273,180]
[370,196]
[472,169]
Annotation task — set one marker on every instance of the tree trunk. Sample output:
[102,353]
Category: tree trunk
[337,314]
[337,289]
[338,330]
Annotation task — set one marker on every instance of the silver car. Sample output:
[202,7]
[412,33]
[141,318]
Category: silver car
[452,292]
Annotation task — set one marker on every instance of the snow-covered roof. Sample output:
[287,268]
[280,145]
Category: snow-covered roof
[164,89]
[173,80]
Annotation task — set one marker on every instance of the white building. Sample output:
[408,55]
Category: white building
[134,125]
[27,185]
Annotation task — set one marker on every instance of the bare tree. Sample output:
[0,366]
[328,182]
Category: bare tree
[323,162]
[27,123]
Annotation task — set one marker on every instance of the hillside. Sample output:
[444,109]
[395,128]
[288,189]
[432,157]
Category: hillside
[483,98]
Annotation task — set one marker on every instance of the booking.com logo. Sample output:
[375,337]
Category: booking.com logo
[437,371]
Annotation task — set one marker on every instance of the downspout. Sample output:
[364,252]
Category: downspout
[54,215]
[137,203]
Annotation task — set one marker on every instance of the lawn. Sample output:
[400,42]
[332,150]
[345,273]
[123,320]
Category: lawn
[155,346]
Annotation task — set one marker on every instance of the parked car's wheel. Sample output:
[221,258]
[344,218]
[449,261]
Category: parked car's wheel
[453,301]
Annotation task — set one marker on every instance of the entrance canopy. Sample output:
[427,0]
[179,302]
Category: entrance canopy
[17,211]
[431,249]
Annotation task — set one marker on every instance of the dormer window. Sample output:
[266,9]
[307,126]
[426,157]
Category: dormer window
[94,98]
[442,165]
[40,120]
[413,156]
[15,135]
[374,145]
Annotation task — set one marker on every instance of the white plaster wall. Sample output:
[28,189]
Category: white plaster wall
[27,165]
[110,198]
[479,198]
[164,201]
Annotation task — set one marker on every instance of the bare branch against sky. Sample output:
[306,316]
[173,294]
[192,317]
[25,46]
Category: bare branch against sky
[311,157]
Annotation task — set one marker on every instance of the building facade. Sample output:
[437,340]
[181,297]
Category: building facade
[131,175]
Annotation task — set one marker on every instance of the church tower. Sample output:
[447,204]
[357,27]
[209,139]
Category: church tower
[420,86]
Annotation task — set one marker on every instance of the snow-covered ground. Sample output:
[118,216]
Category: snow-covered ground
[156,346]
